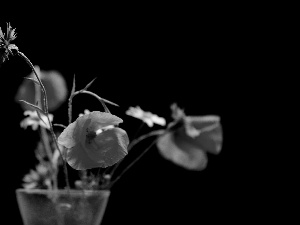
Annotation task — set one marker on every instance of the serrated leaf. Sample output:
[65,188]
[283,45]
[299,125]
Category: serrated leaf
[33,106]
[89,84]
[34,80]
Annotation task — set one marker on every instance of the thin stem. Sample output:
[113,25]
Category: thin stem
[99,98]
[39,80]
[153,133]
[70,109]
[47,114]
[142,137]
[138,130]
[134,142]
[102,101]
[60,125]
[115,166]
[131,164]
[46,142]
[64,161]
[49,154]
[43,134]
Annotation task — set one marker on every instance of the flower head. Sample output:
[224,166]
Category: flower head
[38,178]
[86,111]
[5,42]
[191,138]
[54,84]
[148,117]
[87,181]
[35,121]
[93,140]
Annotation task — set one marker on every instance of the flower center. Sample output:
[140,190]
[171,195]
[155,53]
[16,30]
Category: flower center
[90,135]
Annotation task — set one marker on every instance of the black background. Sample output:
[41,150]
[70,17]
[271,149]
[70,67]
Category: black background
[203,62]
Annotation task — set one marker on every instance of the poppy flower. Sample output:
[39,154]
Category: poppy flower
[147,117]
[190,138]
[93,140]
[54,84]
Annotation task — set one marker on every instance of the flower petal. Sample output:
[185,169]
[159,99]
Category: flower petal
[204,132]
[92,141]
[181,153]
[66,138]
[147,117]
[74,132]
[108,147]
[78,159]
[101,119]
[159,120]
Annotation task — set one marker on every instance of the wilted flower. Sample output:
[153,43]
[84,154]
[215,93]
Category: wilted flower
[148,117]
[5,42]
[34,120]
[54,84]
[94,141]
[190,138]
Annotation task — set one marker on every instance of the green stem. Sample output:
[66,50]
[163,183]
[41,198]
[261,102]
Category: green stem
[45,139]
[102,101]
[133,143]
[49,154]
[142,137]
[115,166]
[47,114]
[138,130]
[130,165]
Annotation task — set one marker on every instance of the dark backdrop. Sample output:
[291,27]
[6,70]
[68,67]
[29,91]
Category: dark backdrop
[151,60]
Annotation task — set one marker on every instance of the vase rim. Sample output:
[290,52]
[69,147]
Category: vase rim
[64,191]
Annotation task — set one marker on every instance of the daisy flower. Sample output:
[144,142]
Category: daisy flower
[35,121]
[147,117]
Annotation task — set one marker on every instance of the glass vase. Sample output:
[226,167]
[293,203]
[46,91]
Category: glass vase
[62,207]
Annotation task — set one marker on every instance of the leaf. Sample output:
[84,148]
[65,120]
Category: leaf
[33,106]
[34,80]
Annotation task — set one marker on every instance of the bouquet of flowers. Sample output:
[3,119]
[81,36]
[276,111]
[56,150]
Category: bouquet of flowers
[94,142]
